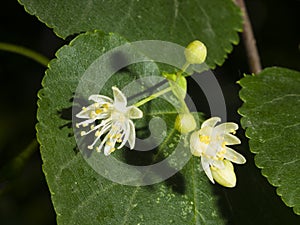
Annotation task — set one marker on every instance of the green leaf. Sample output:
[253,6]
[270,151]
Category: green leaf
[214,22]
[271,118]
[79,194]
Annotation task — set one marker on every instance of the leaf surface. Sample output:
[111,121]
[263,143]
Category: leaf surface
[214,22]
[271,118]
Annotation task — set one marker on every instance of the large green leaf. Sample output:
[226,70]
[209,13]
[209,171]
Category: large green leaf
[215,22]
[271,116]
[82,196]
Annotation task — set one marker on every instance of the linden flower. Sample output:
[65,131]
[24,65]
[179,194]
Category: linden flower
[209,143]
[114,118]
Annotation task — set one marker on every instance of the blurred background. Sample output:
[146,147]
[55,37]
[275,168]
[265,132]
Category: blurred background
[24,195]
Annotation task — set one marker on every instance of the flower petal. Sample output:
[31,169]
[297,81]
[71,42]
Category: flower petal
[107,150]
[225,176]
[226,128]
[100,99]
[86,112]
[218,164]
[206,168]
[211,122]
[197,147]
[234,156]
[85,122]
[120,100]
[207,131]
[194,144]
[131,137]
[134,112]
[231,139]
[126,129]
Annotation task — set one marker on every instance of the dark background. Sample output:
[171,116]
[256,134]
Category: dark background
[24,195]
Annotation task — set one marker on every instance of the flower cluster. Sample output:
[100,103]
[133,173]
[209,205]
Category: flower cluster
[210,143]
[114,120]
[110,121]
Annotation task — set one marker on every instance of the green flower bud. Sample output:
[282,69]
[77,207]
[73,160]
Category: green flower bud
[195,52]
[185,123]
[226,177]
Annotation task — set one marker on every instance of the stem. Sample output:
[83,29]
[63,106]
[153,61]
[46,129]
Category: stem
[184,108]
[25,52]
[185,66]
[16,164]
[183,69]
[249,40]
[151,97]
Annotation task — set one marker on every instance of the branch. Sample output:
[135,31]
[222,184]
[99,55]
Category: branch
[12,168]
[25,52]
[249,40]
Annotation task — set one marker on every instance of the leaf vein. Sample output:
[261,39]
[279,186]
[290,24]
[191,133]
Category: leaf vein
[139,188]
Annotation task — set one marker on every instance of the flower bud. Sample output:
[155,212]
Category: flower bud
[226,177]
[195,52]
[185,123]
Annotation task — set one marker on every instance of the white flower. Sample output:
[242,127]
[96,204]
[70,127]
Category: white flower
[210,142]
[114,118]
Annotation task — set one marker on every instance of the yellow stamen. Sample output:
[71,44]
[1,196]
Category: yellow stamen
[109,143]
[90,147]
[105,106]
[112,150]
[97,134]
[98,111]
[223,150]
[224,144]
[219,157]
[220,154]
[205,139]
[207,156]
[82,133]
[118,137]
[92,115]
[213,168]
[114,127]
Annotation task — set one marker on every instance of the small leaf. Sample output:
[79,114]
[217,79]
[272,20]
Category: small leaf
[271,118]
[82,196]
[214,22]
